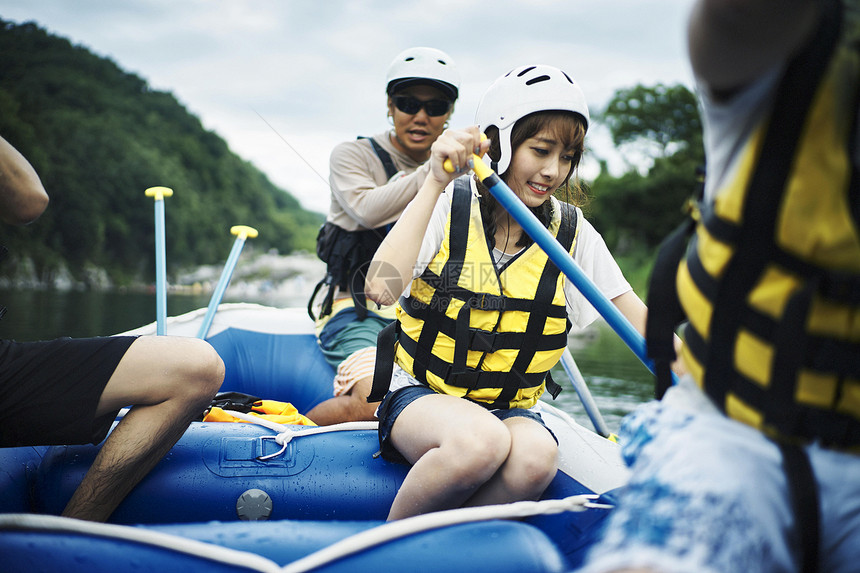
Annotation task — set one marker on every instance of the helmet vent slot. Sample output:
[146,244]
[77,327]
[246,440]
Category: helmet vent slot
[537,80]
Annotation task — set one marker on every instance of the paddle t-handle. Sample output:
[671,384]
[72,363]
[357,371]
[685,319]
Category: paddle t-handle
[244,232]
[159,193]
[480,168]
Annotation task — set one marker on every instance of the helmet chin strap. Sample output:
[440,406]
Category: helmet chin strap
[505,147]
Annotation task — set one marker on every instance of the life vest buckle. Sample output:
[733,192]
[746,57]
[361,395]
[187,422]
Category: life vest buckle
[487,302]
[468,379]
[483,341]
[692,209]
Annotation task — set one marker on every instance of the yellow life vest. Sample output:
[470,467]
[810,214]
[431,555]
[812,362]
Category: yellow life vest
[490,335]
[771,280]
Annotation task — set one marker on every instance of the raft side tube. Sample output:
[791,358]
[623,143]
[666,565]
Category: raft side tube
[500,546]
[325,476]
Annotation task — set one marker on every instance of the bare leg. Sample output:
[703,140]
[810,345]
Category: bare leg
[169,381]
[529,468]
[350,407]
[455,446]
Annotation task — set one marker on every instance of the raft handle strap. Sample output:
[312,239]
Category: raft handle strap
[286,433]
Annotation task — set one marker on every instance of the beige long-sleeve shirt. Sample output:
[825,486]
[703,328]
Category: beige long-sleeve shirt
[362,195]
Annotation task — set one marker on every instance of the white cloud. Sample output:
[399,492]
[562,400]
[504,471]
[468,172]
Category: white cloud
[316,70]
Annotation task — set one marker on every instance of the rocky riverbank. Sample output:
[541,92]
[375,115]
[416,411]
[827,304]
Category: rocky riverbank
[269,277]
[258,276]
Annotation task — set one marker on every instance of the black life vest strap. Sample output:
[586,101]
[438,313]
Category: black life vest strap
[492,302]
[471,378]
[349,252]
[836,286]
[383,368]
[665,312]
[356,290]
[461,215]
[327,301]
[480,340]
[803,492]
[3,252]
[552,386]
[384,156]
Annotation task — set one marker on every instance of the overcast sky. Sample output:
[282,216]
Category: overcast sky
[284,81]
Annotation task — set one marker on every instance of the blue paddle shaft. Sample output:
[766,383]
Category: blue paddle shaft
[556,253]
[160,269]
[226,275]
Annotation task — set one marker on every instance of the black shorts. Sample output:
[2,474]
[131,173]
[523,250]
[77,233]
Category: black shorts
[49,390]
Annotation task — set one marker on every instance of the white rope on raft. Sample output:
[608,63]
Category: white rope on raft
[139,536]
[353,544]
[421,523]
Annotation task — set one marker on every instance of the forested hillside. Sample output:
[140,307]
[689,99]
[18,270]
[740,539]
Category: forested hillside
[98,137]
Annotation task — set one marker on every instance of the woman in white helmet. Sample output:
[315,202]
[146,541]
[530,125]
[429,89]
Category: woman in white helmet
[372,180]
[483,314]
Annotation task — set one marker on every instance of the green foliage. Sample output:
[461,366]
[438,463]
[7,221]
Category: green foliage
[666,118]
[636,211]
[98,137]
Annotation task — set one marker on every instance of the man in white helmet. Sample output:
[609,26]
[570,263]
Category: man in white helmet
[372,180]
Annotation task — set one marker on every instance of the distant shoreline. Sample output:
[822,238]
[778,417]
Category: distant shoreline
[255,274]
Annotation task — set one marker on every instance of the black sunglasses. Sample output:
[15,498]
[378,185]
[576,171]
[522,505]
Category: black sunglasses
[412,105]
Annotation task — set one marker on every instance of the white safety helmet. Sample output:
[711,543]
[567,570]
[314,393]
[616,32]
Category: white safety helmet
[424,66]
[522,91]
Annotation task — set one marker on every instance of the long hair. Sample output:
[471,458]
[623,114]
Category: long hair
[568,128]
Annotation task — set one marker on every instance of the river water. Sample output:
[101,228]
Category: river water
[617,379]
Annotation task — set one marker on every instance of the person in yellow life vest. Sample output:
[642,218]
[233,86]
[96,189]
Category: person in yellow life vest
[752,462]
[485,315]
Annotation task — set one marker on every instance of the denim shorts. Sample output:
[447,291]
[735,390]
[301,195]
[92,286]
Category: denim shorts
[344,334]
[394,403]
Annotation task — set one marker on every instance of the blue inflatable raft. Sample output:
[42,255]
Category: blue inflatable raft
[252,497]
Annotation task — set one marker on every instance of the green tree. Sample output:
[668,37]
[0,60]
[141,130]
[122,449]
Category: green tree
[636,210]
[663,118]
